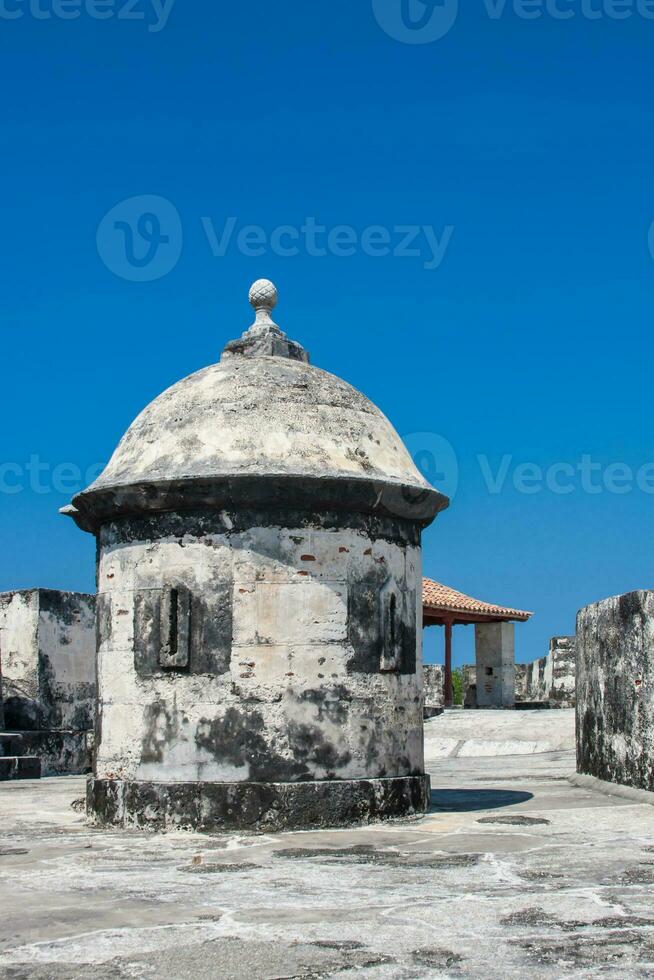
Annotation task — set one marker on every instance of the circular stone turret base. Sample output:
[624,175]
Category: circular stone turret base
[217,807]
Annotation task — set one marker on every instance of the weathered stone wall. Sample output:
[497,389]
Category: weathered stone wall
[47,646]
[300,658]
[615,690]
[19,621]
[564,663]
[533,680]
[521,681]
[66,637]
[433,685]
[552,678]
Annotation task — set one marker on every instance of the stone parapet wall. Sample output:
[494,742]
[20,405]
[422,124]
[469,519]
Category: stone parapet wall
[563,657]
[47,653]
[615,690]
[433,685]
[551,678]
[534,680]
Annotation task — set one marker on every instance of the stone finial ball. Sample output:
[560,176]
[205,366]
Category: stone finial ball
[263,293]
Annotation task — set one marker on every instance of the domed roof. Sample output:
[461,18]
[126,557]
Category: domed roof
[262,412]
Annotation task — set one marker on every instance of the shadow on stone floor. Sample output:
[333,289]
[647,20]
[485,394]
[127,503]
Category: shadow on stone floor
[468,800]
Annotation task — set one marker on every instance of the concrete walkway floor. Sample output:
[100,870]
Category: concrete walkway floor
[514,873]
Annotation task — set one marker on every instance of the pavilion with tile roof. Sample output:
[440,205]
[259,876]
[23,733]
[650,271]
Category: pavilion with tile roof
[443,606]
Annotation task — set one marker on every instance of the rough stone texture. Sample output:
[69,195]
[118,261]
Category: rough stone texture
[47,647]
[495,662]
[552,678]
[285,680]
[433,680]
[533,680]
[20,767]
[564,662]
[213,807]
[60,752]
[248,417]
[558,885]
[259,594]
[615,690]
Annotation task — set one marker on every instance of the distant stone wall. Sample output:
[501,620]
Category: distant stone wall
[66,635]
[19,621]
[433,683]
[533,680]
[47,653]
[552,678]
[563,657]
[615,690]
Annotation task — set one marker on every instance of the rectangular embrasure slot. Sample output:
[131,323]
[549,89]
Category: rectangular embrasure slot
[175,628]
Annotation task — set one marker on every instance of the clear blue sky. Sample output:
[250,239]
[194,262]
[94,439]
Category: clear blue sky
[531,341]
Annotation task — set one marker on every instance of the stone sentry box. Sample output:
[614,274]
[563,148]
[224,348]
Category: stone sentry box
[259,601]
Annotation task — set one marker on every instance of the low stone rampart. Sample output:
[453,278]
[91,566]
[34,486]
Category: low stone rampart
[615,690]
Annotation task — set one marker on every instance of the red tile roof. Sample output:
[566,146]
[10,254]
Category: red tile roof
[437,597]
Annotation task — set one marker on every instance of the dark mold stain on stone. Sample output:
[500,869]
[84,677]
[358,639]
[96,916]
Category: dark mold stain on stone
[540,875]
[529,917]
[367,854]
[103,619]
[217,868]
[309,744]
[642,875]
[204,522]
[238,739]
[161,727]
[331,703]
[436,958]
[515,820]
[212,807]
[344,944]
[367,630]
[66,607]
